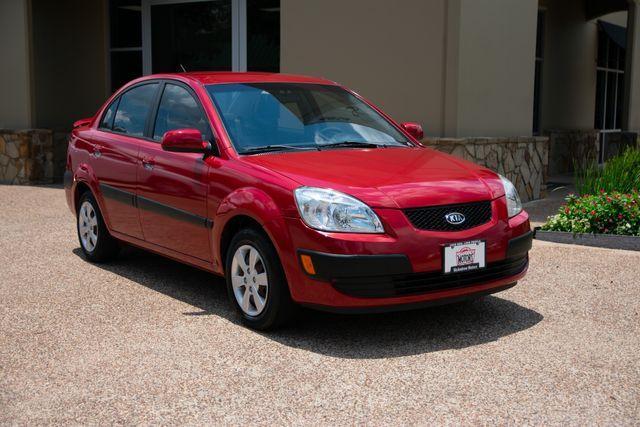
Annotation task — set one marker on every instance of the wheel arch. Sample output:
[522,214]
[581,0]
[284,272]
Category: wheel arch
[80,188]
[253,208]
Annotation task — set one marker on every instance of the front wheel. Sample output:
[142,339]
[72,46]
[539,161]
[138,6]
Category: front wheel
[256,283]
[95,240]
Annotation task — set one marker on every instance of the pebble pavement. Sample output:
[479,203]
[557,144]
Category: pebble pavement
[147,340]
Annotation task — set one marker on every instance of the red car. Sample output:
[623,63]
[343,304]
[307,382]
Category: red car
[297,190]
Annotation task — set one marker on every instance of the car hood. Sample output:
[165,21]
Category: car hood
[388,177]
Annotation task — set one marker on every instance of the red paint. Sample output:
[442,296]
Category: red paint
[183,140]
[221,187]
[414,129]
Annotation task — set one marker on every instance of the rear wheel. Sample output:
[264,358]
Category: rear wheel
[256,283]
[95,241]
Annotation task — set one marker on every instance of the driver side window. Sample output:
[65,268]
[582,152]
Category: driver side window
[179,110]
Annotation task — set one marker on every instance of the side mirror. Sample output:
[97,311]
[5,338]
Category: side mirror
[185,141]
[413,129]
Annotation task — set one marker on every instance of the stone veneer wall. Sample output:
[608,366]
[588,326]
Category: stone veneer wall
[524,160]
[26,157]
[569,146]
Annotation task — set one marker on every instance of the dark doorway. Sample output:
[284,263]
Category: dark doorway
[191,36]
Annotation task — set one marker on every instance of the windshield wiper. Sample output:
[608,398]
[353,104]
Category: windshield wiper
[352,144]
[269,148]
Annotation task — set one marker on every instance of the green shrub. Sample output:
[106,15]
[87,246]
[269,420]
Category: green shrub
[620,173]
[615,213]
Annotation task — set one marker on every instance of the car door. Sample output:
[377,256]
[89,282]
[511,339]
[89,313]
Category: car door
[172,187]
[115,155]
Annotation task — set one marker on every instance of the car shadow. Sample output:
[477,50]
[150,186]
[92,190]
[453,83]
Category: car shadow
[345,336]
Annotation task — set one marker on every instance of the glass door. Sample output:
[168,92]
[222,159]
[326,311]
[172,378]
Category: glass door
[193,36]
[210,35]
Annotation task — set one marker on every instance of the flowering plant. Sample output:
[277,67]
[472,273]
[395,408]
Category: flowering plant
[608,213]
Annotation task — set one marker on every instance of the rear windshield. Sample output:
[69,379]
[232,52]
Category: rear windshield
[298,116]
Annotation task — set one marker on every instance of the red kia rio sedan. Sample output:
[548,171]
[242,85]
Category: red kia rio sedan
[297,190]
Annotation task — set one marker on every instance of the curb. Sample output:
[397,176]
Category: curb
[609,241]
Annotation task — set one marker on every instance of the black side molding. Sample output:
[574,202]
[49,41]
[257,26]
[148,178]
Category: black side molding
[118,195]
[140,202]
[332,266]
[175,213]
[519,246]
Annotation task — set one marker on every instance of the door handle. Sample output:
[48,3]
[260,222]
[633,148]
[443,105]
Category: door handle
[96,151]
[147,163]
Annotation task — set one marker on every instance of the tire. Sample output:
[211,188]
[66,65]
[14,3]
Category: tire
[258,292]
[95,241]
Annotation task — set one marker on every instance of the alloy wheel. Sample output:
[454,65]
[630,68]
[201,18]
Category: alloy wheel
[88,226]
[249,280]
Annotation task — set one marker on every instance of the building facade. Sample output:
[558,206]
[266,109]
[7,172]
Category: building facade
[518,85]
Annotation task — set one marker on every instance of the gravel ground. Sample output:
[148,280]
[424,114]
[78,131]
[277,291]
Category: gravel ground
[147,340]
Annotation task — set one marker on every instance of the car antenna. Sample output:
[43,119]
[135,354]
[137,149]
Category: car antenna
[184,70]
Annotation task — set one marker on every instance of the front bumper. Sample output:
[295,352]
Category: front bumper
[402,269]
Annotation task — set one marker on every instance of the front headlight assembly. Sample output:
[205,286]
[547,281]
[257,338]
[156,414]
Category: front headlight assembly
[514,205]
[330,210]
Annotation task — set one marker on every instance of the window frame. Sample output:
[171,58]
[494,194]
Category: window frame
[118,98]
[116,102]
[156,107]
[409,139]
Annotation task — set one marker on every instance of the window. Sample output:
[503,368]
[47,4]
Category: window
[125,52]
[194,36]
[133,110]
[263,35]
[107,118]
[610,80]
[298,116]
[537,86]
[179,110]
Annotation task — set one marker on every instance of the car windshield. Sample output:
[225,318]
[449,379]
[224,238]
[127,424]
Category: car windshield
[290,116]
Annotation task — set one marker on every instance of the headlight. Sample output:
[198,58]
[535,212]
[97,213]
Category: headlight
[514,205]
[330,210]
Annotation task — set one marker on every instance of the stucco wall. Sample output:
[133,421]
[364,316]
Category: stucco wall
[460,67]
[15,102]
[391,53]
[70,71]
[496,67]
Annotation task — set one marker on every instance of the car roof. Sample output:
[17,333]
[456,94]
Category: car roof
[243,77]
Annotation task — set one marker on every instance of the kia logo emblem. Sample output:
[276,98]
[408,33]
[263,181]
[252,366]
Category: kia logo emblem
[454,218]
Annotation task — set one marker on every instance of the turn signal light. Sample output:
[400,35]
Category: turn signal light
[307,264]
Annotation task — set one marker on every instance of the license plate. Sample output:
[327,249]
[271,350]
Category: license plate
[464,256]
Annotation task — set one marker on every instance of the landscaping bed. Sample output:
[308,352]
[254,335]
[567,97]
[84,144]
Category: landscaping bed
[607,213]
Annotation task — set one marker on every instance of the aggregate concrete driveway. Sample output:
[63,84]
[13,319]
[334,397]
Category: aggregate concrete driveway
[147,340]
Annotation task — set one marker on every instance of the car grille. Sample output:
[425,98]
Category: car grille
[419,283]
[433,217]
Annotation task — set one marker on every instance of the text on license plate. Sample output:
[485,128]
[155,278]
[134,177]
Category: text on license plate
[464,256]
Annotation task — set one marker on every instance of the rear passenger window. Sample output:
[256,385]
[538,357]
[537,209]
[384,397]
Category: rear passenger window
[133,110]
[107,117]
[179,110]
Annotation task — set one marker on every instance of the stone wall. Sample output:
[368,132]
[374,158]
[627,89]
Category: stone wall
[524,160]
[26,157]
[570,148]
